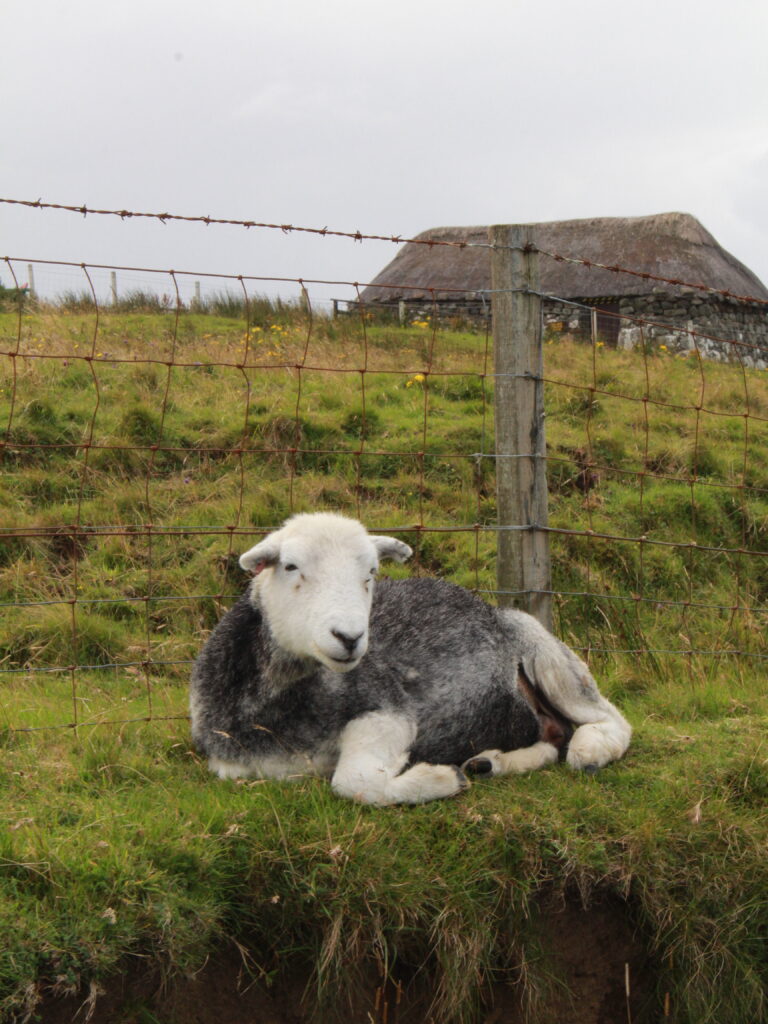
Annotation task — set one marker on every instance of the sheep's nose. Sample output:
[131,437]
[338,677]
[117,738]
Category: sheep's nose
[349,642]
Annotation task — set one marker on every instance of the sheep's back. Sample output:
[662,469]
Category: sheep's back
[431,616]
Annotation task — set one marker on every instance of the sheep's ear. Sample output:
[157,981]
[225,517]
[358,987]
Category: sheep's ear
[388,547]
[264,554]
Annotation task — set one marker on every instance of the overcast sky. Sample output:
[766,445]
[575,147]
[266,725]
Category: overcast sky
[383,117]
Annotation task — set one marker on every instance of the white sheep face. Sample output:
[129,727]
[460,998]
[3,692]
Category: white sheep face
[314,585]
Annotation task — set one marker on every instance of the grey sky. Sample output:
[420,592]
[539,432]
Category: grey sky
[380,117]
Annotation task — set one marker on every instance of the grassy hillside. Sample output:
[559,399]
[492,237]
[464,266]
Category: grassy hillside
[143,450]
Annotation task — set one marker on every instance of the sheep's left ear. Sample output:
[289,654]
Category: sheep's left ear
[264,554]
[388,547]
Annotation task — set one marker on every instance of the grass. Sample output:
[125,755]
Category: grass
[145,448]
[121,845]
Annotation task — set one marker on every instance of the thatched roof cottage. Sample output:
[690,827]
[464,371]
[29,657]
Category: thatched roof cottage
[452,281]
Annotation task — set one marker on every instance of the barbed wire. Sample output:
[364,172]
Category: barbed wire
[287,229]
[646,276]
[360,236]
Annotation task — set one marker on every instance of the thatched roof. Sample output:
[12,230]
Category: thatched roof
[672,245]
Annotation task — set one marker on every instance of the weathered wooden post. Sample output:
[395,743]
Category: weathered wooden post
[31,281]
[523,564]
[113,286]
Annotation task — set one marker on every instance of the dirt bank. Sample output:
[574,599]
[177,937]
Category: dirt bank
[603,972]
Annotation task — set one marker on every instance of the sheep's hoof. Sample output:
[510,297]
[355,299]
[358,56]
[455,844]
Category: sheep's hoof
[462,779]
[478,766]
[591,769]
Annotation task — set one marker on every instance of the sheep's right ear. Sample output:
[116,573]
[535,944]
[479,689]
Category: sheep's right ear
[264,554]
[388,547]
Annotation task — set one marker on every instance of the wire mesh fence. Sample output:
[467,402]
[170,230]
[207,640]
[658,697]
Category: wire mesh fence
[145,444]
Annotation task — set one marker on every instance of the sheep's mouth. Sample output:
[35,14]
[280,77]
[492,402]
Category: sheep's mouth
[341,665]
[349,661]
[338,662]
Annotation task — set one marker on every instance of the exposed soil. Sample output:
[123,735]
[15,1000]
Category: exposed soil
[605,976]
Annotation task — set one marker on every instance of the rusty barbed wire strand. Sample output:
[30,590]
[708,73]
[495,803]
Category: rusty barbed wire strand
[360,236]
[357,236]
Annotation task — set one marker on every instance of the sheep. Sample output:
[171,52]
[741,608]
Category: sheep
[396,690]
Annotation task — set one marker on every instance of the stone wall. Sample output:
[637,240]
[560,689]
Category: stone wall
[720,329]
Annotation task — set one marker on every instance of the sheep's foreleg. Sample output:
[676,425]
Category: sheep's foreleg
[373,752]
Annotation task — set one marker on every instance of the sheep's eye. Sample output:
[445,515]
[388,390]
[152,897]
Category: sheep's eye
[291,567]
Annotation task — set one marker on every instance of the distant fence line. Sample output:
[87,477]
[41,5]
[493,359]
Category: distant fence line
[121,285]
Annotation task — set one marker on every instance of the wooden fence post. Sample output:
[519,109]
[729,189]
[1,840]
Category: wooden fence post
[523,564]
